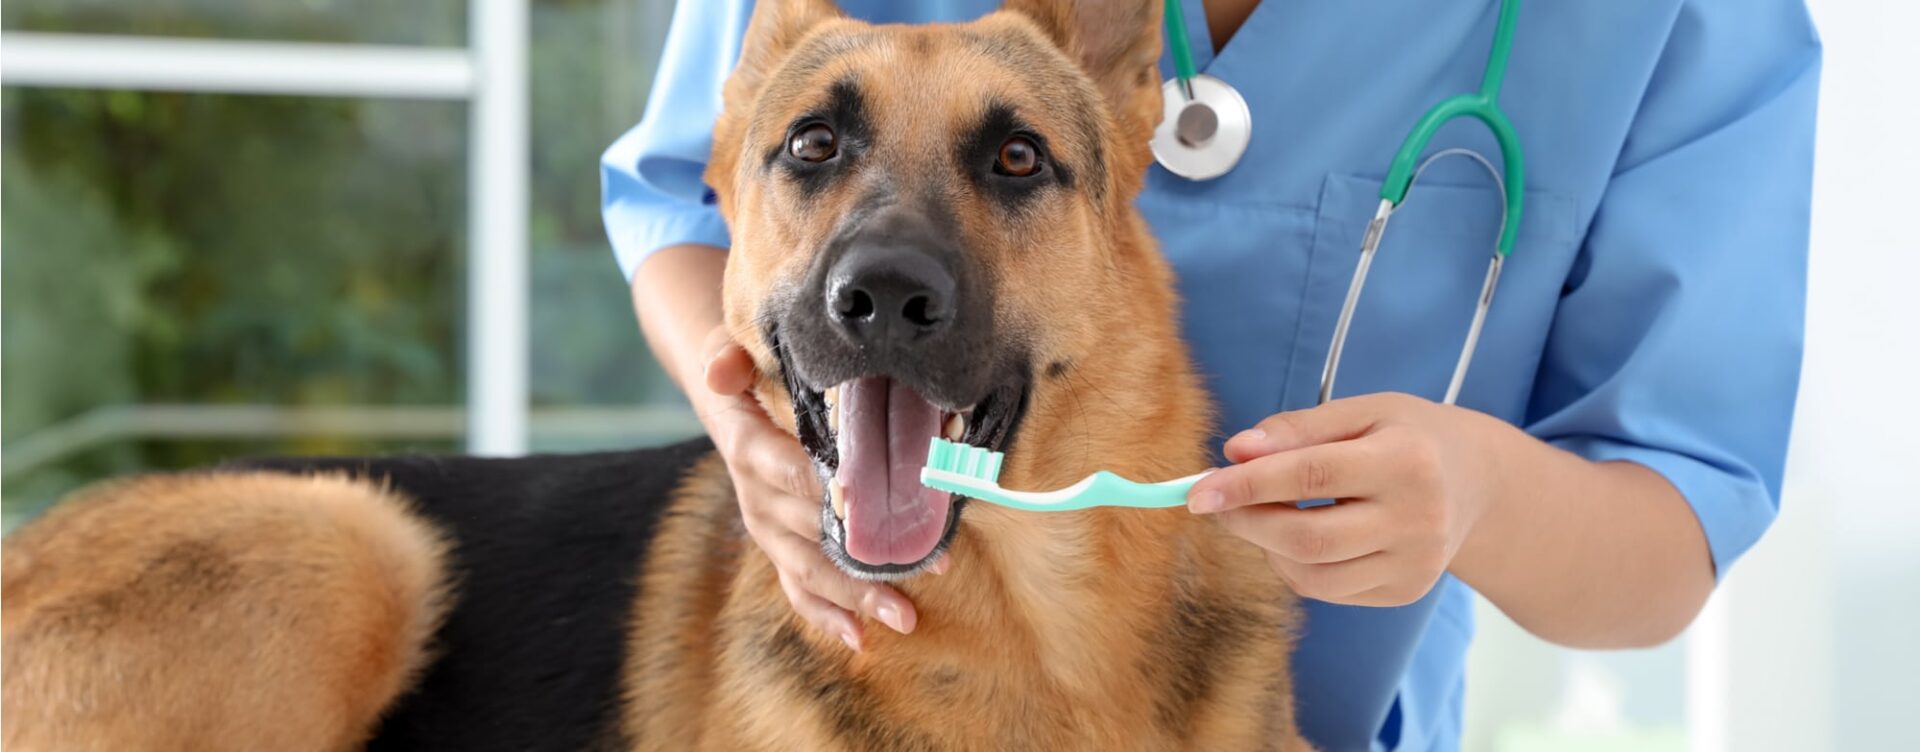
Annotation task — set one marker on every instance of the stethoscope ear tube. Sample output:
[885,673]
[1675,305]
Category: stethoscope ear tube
[1370,247]
[1405,171]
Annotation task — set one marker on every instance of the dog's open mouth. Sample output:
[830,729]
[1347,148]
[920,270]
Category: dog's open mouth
[885,515]
[868,437]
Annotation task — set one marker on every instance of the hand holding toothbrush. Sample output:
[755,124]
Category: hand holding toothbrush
[1590,554]
[1413,476]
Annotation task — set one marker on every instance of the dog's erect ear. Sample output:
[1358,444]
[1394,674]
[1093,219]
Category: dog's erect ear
[1117,43]
[776,27]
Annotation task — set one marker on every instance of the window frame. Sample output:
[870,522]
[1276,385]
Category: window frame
[489,73]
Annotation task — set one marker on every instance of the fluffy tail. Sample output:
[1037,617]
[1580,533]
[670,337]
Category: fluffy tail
[215,611]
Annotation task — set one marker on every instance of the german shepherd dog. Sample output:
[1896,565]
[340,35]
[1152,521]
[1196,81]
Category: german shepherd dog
[933,233]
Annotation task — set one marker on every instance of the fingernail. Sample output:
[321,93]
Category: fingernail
[890,616]
[853,643]
[1207,501]
[1254,436]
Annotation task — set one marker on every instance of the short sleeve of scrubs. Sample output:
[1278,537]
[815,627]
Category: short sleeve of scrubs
[652,191]
[1677,340]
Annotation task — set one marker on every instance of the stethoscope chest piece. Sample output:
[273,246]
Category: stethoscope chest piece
[1204,128]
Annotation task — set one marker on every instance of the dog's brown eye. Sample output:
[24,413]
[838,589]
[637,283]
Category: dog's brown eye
[813,143]
[1019,157]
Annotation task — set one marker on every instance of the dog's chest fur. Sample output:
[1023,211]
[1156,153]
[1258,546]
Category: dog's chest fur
[1183,649]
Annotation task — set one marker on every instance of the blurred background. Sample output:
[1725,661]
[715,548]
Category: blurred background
[243,226]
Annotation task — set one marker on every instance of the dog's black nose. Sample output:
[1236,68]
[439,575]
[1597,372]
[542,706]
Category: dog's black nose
[888,294]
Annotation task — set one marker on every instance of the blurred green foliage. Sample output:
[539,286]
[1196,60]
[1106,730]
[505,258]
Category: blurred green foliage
[435,22]
[200,248]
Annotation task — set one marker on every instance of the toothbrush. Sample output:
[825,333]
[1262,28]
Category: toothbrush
[973,472]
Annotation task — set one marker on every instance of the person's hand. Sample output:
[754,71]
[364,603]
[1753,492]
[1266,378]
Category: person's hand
[780,502]
[1412,478]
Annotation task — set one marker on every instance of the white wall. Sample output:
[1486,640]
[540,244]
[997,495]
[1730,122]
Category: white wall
[1822,615]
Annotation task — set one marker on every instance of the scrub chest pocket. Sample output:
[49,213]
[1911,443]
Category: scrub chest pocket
[1262,284]
[1414,314]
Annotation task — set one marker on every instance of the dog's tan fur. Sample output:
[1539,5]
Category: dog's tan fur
[125,607]
[1107,630]
[1102,630]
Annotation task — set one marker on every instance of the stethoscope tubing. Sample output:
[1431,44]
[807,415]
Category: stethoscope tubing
[1199,164]
[1370,247]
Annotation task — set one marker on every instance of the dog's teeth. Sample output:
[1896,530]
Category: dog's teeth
[833,418]
[837,495]
[831,395]
[956,427]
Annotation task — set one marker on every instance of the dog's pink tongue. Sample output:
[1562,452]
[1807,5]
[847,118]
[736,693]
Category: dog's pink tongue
[884,430]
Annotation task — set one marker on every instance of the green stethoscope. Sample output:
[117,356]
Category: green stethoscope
[1206,128]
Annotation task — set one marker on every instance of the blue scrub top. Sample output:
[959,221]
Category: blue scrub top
[1652,311]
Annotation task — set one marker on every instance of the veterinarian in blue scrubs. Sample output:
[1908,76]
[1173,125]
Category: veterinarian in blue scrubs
[1621,434]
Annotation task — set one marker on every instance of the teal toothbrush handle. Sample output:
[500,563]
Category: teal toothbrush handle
[1109,490]
[1102,489]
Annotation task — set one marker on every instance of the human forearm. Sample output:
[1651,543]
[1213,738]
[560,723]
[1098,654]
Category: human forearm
[1584,554]
[676,295]
[1580,553]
